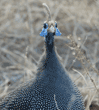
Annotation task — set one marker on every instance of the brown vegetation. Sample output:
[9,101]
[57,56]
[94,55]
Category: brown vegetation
[21,46]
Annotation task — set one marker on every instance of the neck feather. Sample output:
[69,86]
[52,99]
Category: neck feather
[49,43]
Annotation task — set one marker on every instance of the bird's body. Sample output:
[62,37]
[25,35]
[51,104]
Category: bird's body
[52,88]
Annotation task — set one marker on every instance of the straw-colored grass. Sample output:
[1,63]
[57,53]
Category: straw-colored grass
[21,46]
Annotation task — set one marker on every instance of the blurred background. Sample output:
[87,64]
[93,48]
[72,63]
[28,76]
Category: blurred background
[21,46]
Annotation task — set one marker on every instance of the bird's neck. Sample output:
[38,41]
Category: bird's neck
[49,43]
[49,56]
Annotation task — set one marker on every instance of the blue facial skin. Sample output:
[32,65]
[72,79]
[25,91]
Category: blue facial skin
[44,30]
[57,30]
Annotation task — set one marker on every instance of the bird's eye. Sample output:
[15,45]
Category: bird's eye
[56,25]
[45,25]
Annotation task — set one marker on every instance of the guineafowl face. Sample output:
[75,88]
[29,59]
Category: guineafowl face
[50,27]
[49,30]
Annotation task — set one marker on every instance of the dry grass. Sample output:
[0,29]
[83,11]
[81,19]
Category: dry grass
[21,46]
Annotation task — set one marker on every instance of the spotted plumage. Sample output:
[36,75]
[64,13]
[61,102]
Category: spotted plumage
[52,89]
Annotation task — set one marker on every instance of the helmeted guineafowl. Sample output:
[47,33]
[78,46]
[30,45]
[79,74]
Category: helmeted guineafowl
[52,88]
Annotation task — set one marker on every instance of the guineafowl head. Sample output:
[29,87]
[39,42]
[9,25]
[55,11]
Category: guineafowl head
[49,30]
